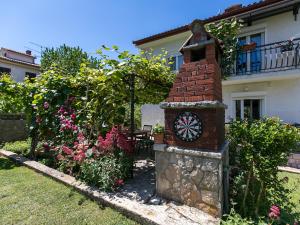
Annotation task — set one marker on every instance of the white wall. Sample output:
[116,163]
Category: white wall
[18,72]
[277,28]
[281,27]
[281,98]
[152,115]
[171,44]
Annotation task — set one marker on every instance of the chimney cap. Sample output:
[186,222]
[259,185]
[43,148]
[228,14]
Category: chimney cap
[28,52]
[197,26]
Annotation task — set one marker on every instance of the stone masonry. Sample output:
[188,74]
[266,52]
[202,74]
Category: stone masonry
[294,160]
[194,178]
[12,127]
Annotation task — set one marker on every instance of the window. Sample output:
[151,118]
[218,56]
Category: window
[250,61]
[172,63]
[31,76]
[177,61]
[4,70]
[248,108]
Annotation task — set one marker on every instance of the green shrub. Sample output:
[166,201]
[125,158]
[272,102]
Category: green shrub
[106,172]
[257,148]
[18,147]
[235,219]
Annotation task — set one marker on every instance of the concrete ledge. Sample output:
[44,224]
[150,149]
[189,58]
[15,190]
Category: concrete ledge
[289,169]
[159,147]
[166,214]
[192,152]
[193,105]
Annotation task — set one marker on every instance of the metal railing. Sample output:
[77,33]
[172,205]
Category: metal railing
[273,57]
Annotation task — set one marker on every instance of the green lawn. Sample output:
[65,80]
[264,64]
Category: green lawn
[27,197]
[294,185]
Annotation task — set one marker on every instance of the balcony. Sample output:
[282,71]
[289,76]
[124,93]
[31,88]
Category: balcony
[269,58]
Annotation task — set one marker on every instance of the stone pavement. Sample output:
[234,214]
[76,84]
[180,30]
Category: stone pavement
[136,199]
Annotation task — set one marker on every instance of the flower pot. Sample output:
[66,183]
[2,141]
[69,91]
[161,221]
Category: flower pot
[249,47]
[158,138]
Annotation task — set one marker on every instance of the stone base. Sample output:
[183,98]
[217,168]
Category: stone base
[192,177]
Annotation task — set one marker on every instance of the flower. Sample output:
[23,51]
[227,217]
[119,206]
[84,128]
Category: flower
[60,157]
[119,182]
[46,146]
[274,212]
[38,120]
[80,156]
[61,110]
[73,116]
[67,150]
[46,105]
[74,128]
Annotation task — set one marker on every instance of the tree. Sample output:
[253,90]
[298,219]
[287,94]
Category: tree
[66,58]
[100,96]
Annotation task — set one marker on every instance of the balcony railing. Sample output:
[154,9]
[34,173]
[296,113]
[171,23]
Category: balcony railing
[274,57]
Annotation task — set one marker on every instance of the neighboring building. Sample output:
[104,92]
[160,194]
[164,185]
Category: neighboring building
[19,65]
[265,79]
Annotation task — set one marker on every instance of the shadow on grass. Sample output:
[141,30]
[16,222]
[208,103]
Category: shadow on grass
[84,198]
[6,164]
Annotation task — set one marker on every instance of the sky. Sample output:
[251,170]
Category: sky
[92,23]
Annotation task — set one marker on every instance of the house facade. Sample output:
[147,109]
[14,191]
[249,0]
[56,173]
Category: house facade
[265,78]
[18,64]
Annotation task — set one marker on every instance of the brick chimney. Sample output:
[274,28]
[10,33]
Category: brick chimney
[189,166]
[197,87]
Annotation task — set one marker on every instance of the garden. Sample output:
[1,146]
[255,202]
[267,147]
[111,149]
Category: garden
[81,114]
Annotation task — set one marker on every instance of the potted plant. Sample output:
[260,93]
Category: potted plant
[248,47]
[158,134]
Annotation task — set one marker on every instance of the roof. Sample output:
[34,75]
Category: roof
[19,62]
[226,14]
[21,53]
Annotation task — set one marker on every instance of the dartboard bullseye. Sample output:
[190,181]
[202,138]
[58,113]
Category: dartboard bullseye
[188,126]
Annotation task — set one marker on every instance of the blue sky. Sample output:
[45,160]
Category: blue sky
[92,23]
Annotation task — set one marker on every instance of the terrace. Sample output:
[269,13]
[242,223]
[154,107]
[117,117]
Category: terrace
[274,57]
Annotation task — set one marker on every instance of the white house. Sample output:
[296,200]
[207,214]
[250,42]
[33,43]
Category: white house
[18,64]
[265,80]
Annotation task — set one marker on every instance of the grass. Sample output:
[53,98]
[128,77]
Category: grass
[294,185]
[27,197]
[18,147]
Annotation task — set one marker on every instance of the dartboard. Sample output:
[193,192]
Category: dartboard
[188,126]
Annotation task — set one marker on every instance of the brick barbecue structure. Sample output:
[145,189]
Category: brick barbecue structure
[189,166]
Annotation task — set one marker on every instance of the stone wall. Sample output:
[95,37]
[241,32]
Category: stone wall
[192,177]
[294,160]
[12,127]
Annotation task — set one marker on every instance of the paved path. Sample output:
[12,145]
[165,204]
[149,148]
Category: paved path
[142,187]
[131,200]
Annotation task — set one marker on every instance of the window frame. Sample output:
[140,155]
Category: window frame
[247,36]
[260,95]
[176,56]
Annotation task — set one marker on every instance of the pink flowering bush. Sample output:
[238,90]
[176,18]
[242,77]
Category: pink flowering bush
[105,163]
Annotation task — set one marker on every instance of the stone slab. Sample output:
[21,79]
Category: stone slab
[201,104]
[191,152]
[169,213]
[289,169]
